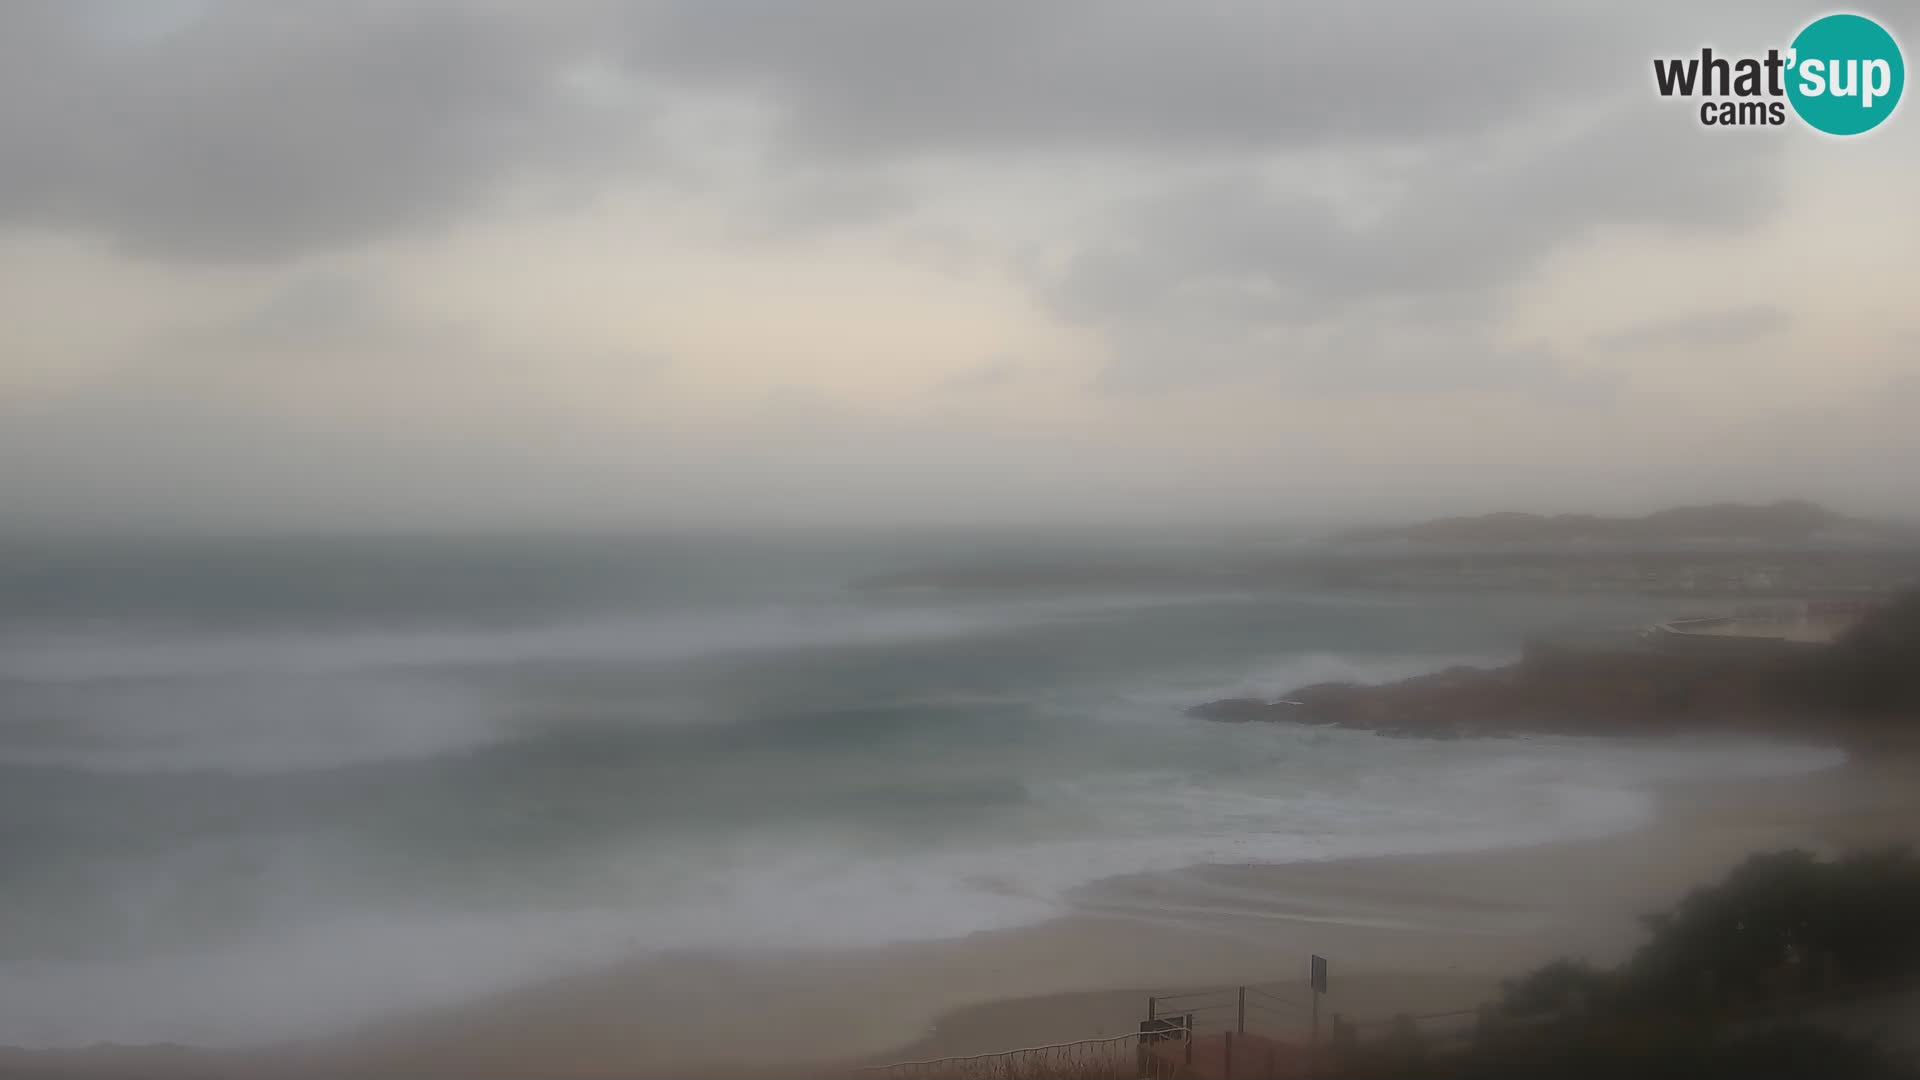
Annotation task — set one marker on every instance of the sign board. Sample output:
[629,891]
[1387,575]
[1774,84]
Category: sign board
[1318,978]
[1165,1029]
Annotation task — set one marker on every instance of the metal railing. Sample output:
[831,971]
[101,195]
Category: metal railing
[1115,1057]
[1260,1032]
[1265,1008]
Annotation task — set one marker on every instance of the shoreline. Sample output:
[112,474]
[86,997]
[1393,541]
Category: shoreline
[1439,932]
[1403,932]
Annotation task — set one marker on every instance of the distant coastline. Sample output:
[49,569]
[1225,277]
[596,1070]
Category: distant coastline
[1787,521]
[1720,551]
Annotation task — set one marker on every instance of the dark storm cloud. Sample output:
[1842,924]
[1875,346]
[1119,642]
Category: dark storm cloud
[244,130]
[1706,329]
[865,77]
[1488,136]
[1467,219]
[1237,259]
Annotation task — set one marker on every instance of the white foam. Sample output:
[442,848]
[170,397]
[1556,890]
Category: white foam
[257,724]
[1270,677]
[674,637]
[172,700]
[1314,795]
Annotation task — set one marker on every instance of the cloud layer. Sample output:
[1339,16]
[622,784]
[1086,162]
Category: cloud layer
[335,255]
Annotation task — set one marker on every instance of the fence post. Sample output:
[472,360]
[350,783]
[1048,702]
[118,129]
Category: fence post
[1189,1038]
[1240,1019]
[1152,1002]
[1226,1057]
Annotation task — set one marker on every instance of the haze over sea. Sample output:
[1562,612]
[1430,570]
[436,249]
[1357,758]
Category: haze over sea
[263,789]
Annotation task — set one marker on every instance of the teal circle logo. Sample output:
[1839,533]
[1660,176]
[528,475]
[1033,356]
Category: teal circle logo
[1845,75]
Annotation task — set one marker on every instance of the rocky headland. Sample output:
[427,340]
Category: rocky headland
[1863,689]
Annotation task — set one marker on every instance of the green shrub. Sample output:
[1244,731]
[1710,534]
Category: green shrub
[1778,924]
[1874,667]
[1564,986]
[1783,922]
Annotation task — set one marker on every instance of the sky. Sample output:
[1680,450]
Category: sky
[754,262]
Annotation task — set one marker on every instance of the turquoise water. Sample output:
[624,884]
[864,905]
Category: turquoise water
[417,770]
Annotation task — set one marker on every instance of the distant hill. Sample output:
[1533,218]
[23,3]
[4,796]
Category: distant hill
[1787,521]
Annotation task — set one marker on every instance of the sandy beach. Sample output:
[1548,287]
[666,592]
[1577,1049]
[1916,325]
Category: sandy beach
[1412,933]
[665,540]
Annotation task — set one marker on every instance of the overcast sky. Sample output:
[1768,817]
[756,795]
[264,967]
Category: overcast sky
[366,264]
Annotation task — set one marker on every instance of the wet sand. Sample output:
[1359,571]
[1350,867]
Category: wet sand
[1405,933]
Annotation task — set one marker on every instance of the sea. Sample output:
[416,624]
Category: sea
[270,788]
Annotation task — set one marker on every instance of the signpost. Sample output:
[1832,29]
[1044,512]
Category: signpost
[1163,1029]
[1317,982]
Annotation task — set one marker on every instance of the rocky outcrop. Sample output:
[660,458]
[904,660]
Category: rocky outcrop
[1566,692]
[1863,690]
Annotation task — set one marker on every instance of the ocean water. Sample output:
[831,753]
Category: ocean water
[266,789]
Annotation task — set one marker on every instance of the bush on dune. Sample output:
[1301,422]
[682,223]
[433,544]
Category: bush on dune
[1778,926]
[1876,665]
[1560,988]
[1786,1053]
[1782,923]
